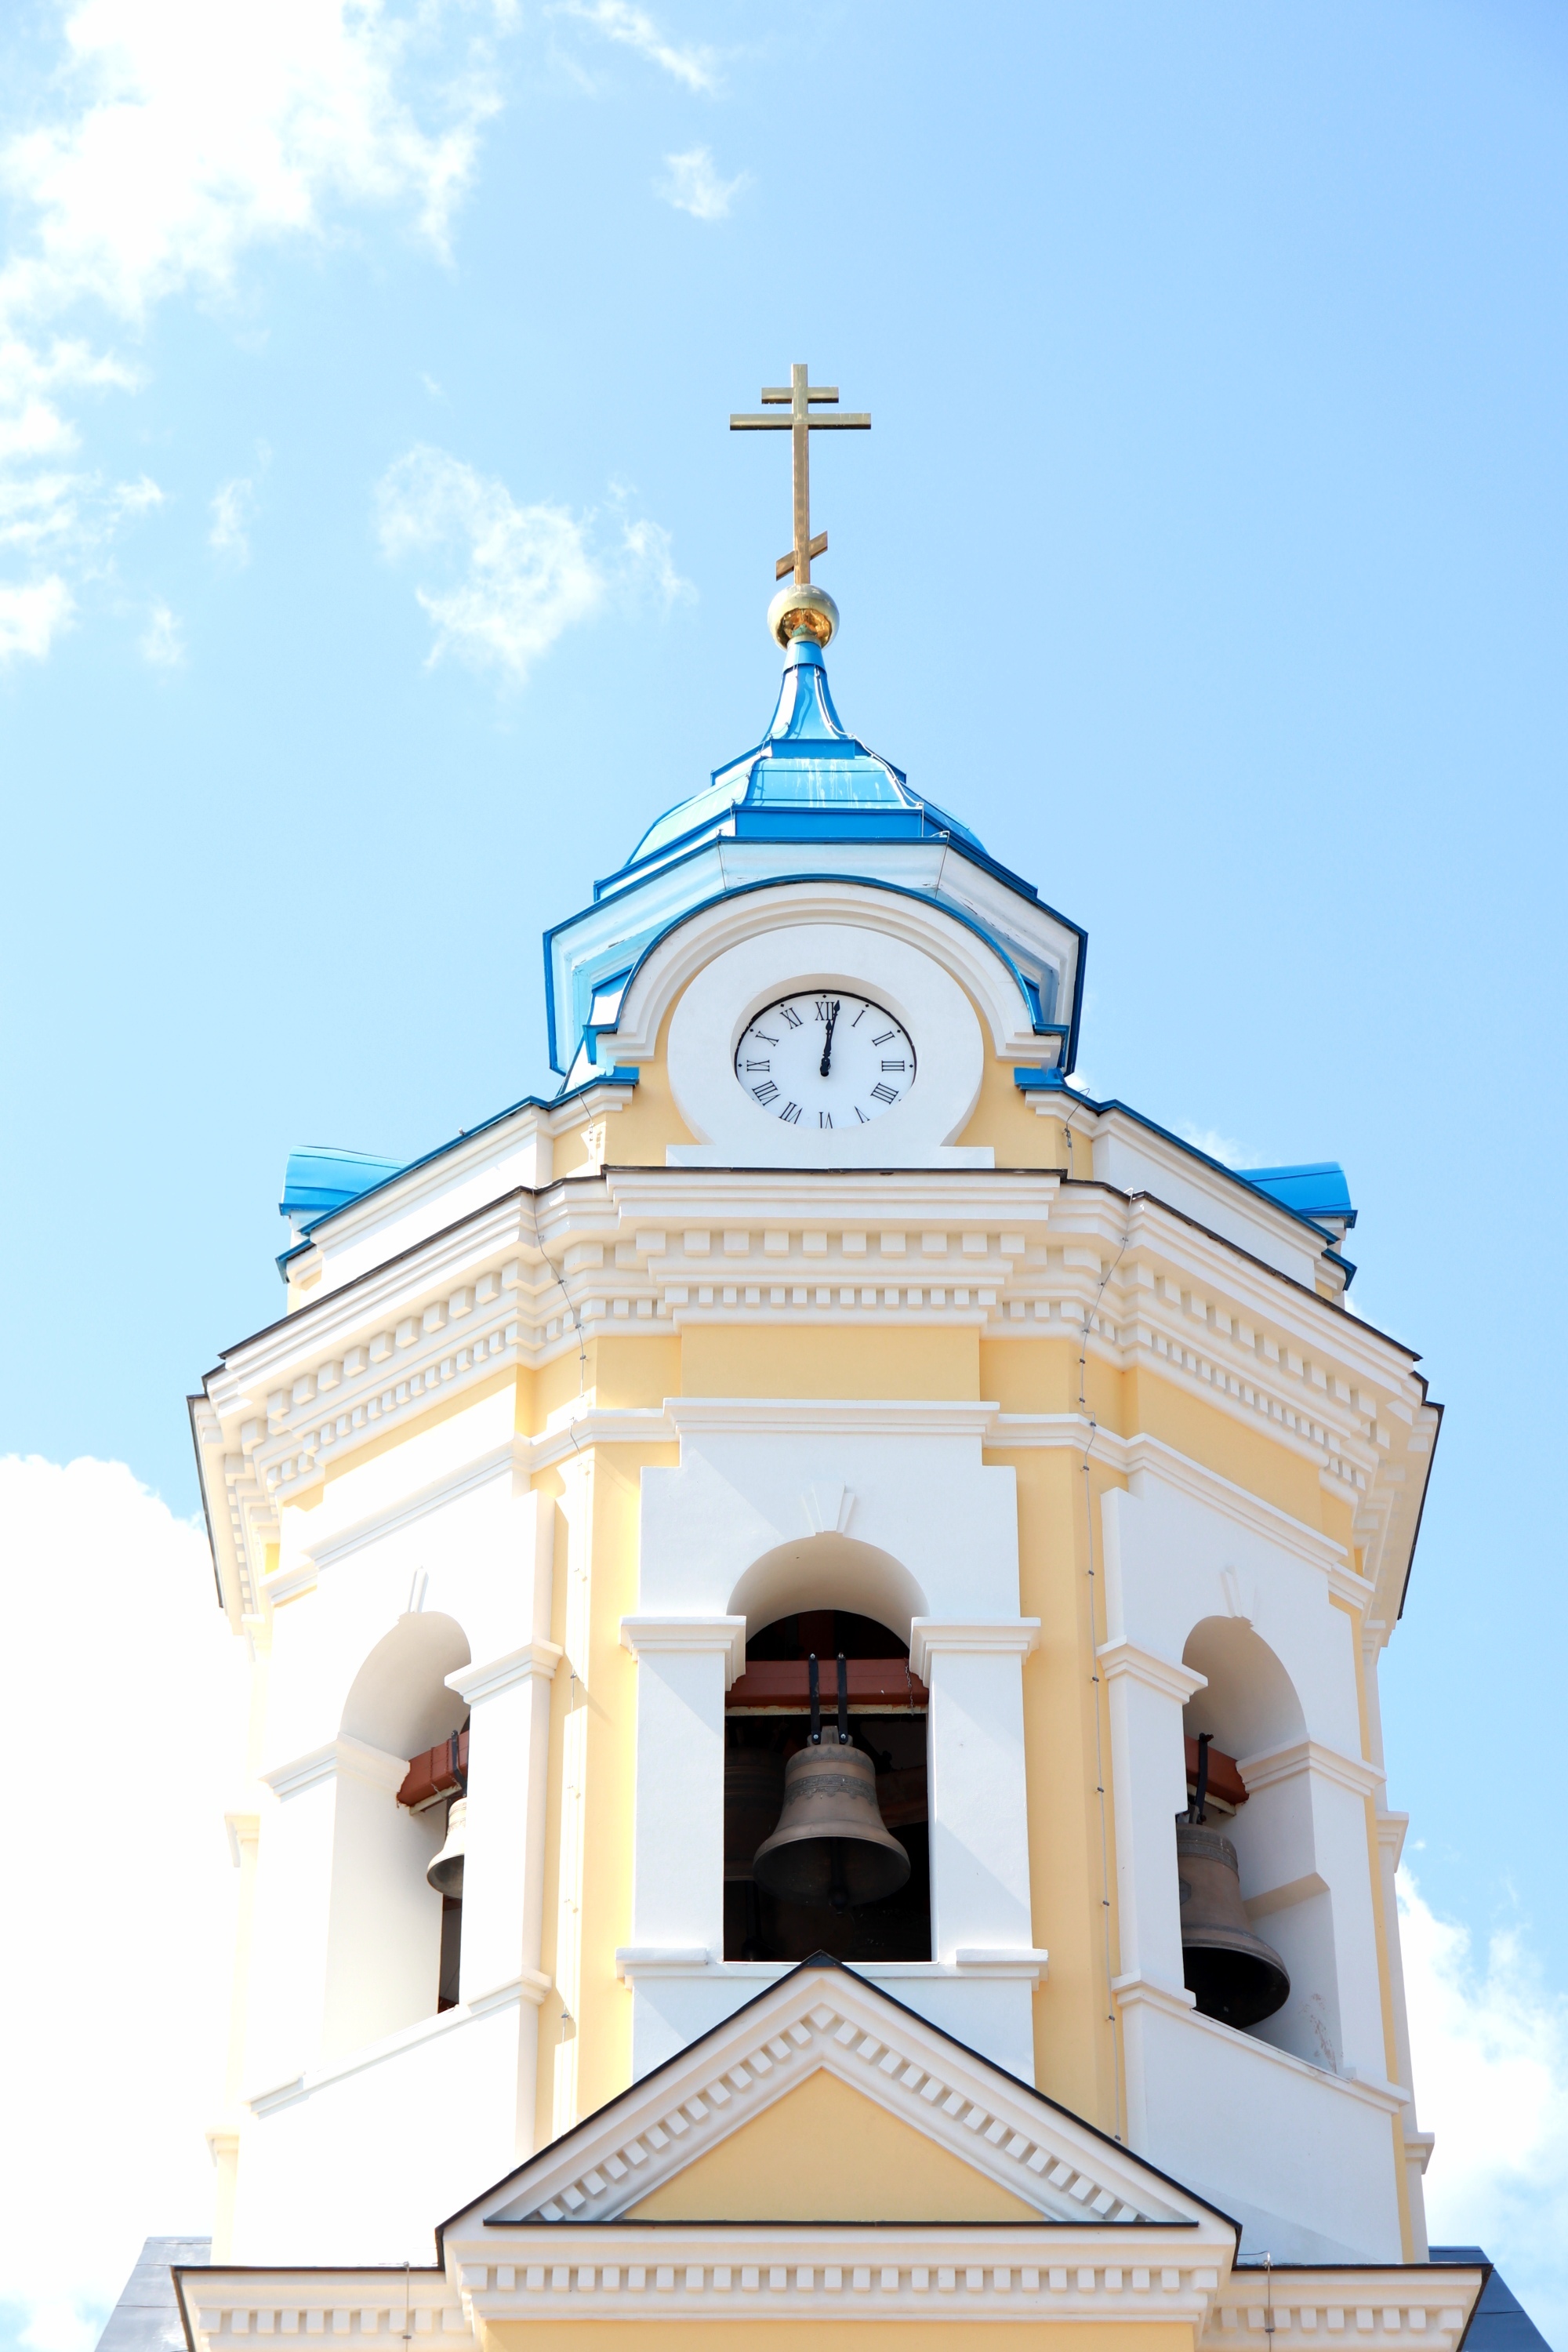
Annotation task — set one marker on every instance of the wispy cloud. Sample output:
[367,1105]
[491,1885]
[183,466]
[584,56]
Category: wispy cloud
[178,136]
[517,576]
[231,507]
[32,616]
[1490,2046]
[618,20]
[1223,1148]
[693,186]
[163,640]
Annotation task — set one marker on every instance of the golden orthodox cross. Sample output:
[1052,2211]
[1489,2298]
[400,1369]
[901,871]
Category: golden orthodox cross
[800,425]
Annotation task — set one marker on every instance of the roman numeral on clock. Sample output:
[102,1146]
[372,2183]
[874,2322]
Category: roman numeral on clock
[766,1091]
[791,1114]
[884,1094]
[793,1017]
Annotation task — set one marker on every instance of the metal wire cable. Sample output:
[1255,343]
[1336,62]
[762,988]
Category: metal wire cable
[1089,1314]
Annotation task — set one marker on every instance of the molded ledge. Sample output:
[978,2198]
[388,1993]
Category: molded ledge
[534,1659]
[688,1637]
[1164,1675]
[937,1637]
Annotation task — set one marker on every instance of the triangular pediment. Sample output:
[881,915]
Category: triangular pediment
[827,2152]
[824,2100]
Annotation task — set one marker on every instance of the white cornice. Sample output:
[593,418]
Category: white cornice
[688,1637]
[938,1637]
[535,1660]
[346,1759]
[1426,2306]
[577,1432]
[855,1416]
[505,1460]
[1272,1764]
[1131,1991]
[1082,2272]
[1072,1432]
[830,2274]
[995,1964]
[1164,1675]
[529,1986]
[1391,1833]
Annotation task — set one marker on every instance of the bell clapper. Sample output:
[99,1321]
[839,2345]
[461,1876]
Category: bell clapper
[843,1702]
[814,1687]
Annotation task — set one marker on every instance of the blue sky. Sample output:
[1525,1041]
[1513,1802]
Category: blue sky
[374,563]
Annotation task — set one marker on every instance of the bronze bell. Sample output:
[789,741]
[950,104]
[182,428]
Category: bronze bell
[1235,1975]
[445,1870]
[753,1793]
[831,1847]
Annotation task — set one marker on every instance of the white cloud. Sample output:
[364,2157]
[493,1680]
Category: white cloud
[694,187]
[232,507]
[176,136]
[617,20]
[1223,1148]
[163,642]
[521,575]
[32,616]
[1489,2047]
[117,1995]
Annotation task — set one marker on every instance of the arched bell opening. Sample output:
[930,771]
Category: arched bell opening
[1257,1920]
[395,1934]
[827,1844]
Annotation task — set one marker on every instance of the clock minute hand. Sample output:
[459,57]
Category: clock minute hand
[827,1063]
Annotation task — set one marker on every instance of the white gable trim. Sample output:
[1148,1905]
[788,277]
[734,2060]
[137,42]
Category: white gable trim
[830,2019]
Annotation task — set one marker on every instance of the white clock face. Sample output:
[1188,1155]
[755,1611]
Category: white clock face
[825,1058]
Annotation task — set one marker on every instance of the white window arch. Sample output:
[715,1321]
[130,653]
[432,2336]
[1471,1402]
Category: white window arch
[383,1929]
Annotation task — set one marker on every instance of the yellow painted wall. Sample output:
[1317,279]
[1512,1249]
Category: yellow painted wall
[1007,1121]
[825,2152]
[606,1694]
[1246,1456]
[816,1360]
[742,2332]
[1071,1873]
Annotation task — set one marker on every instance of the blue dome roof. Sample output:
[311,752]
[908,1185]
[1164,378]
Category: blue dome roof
[807,764]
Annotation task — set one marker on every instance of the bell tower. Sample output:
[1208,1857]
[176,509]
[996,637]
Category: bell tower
[816,1563]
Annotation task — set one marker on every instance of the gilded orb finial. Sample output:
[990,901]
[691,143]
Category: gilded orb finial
[808,612]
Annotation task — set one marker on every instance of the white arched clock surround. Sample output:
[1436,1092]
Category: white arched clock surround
[722,999]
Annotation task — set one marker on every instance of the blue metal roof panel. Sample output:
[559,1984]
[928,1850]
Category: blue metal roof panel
[1313,1188]
[320,1178]
[807,760]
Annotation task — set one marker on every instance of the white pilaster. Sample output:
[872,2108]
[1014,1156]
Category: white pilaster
[348,1935]
[503,1865]
[1331,1792]
[686,1664]
[1148,1789]
[978,1812]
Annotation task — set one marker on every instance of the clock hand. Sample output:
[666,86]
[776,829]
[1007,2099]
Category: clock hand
[826,1062]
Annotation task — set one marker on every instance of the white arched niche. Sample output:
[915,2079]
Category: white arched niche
[828,1571]
[398,1701]
[1250,1707]
[383,1934]
[1251,1703]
